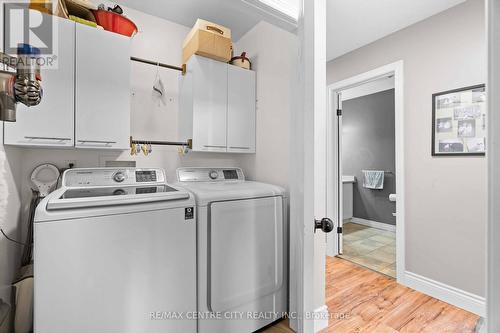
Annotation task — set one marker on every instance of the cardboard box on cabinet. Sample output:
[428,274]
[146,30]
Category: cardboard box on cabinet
[209,40]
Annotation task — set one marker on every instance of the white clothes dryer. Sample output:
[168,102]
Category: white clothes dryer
[242,250]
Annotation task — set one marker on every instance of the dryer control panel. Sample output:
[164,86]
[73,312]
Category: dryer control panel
[92,177]
[209,174]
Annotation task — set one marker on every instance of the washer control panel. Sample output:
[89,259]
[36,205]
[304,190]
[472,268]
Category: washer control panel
[111,177]
[145,176]
[209,174]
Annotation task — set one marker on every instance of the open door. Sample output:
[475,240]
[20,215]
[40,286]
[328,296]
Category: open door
[334,193]
[308,312]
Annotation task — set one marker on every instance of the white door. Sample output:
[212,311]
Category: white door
[209,104]
[308,174]
[239,272]
[240,110]
[335,203]
[102,89]
[51,122]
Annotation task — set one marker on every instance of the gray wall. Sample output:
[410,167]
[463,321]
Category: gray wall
[446,198]
[368,142]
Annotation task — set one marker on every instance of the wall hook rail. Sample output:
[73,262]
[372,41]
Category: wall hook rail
[182,68]
[188,143]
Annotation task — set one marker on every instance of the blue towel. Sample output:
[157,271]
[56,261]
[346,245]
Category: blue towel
[373,179]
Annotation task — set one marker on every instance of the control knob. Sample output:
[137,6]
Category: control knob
[119,177]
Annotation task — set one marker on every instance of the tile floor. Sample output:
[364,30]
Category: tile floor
[369,247]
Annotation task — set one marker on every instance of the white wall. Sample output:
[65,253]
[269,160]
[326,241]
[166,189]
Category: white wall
[271,51]
[446,197]
[10,203]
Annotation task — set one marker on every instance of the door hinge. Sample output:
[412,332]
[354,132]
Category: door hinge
[339,112]
[340,230]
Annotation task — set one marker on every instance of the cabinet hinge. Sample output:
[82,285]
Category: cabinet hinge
[339,112]
[340,230]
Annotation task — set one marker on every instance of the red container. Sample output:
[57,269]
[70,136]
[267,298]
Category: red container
[115,22]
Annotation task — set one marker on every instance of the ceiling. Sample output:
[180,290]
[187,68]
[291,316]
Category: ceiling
[352,24]
[238,15]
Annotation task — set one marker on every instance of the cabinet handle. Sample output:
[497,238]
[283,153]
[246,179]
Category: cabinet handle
[96,141]
[217,30]
[211,146]
[247,148]
[46,138]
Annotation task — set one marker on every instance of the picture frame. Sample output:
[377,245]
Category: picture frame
[459,122]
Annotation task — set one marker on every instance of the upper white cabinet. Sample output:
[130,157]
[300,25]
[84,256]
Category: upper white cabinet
[217,106]
[240,110]
[86,99]
[102,84]
[51,123]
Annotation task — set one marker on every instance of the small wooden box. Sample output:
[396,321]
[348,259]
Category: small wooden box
[208,40]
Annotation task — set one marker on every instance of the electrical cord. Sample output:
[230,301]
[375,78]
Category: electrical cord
[28,249]
[12,240]
[29,239]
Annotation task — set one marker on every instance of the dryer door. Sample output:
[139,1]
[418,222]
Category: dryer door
[245,245]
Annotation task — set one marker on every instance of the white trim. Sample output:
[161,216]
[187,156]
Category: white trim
[395,69]
[454,296]
[481,326]
[372,224]
[493,154]
[321,316]
[369,88]
[307,254]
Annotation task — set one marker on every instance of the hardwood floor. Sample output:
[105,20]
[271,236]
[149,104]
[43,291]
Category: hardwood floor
[360,300]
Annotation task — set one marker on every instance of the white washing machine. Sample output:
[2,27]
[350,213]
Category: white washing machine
[242,250]
[115,252]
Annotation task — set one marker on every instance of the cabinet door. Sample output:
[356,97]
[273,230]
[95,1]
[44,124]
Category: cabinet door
[102,89]
[209,104]
[240,110]
[51,123]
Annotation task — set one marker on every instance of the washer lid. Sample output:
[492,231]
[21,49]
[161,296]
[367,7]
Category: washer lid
[207,192]
[112,196]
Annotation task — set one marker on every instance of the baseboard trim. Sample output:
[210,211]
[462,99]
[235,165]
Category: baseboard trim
[373,224]
[321,318]
[481,326]
[446,293]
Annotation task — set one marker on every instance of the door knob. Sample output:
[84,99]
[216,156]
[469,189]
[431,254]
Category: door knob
[324,224]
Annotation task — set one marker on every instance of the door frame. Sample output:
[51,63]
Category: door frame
[308,312]
[333,184]
[493,155]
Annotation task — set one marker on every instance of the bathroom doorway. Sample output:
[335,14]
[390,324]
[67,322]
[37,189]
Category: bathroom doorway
[368,175]
[365,170]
